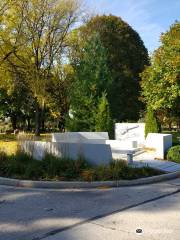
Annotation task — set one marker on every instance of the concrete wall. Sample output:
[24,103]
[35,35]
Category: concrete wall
[80,137]
[96,138]
[96,154]
[160,143]
[130,132]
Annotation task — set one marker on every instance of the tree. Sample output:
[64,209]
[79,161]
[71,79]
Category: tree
[161,81]
[126,58]
[103,118]
[151,123]
[58,93]
[92,78]
[34,39]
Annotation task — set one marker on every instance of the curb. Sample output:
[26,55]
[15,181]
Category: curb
[73,185]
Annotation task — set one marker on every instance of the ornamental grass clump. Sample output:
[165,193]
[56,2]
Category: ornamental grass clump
[23,166]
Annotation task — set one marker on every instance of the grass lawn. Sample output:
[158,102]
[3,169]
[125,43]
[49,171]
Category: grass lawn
[9,143]
[9,147]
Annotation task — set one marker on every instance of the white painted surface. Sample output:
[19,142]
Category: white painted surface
[130,132]
[94,153]
[160,143]
[118,148]
[80,137]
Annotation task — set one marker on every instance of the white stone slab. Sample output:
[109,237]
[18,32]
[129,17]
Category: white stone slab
[160,142]
[80,137]
[130,132]
[96,154]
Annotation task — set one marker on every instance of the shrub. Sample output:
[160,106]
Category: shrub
[63,168]
[103,120]
[174,154]
[152,125]
[88,175]
[3,163]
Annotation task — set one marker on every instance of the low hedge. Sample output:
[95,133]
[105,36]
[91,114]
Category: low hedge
[174,154]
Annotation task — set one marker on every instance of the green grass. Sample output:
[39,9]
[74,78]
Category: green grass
[7,137]
[22,166]
[9,142]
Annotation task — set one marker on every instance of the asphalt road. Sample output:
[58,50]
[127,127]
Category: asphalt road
[34,214]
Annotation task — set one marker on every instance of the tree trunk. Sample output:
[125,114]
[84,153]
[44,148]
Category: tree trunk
[14,121]
[28,123]
[42,120]
[37,120]
[61,125]
[170,126]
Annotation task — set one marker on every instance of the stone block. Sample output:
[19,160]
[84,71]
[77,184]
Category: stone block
[131,132]
[160,143]
[80,137]
[95,154]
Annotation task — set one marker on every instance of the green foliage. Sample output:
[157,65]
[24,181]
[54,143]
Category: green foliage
[160,81]
[104,122]
[115,171]
[126,58]
[92,77]
[151,122]
[33,37]
[23,166]
[174,154]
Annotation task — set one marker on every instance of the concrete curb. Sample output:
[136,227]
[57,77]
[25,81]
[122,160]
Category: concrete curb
[72,185]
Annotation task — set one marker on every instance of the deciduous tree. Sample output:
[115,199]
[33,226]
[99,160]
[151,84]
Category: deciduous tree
[161,81]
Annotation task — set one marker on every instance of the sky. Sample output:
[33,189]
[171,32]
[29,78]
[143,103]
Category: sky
[149,18]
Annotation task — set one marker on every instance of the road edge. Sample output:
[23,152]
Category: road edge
[99,184]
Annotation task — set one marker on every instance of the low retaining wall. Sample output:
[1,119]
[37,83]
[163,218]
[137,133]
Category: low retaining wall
[96,154]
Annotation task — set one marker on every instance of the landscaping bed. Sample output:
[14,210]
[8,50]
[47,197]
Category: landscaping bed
[22,166]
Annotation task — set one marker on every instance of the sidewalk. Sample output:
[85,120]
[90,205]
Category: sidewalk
[148,158]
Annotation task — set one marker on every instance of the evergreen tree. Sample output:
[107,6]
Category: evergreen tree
[92,78]
[103,118]
[151,122]
[126,58]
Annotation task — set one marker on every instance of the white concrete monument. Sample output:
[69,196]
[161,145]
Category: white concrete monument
[131,132]
[160,143]
[96,154]
[80,137]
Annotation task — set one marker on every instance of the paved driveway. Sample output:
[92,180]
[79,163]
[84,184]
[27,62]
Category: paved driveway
[33,214]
